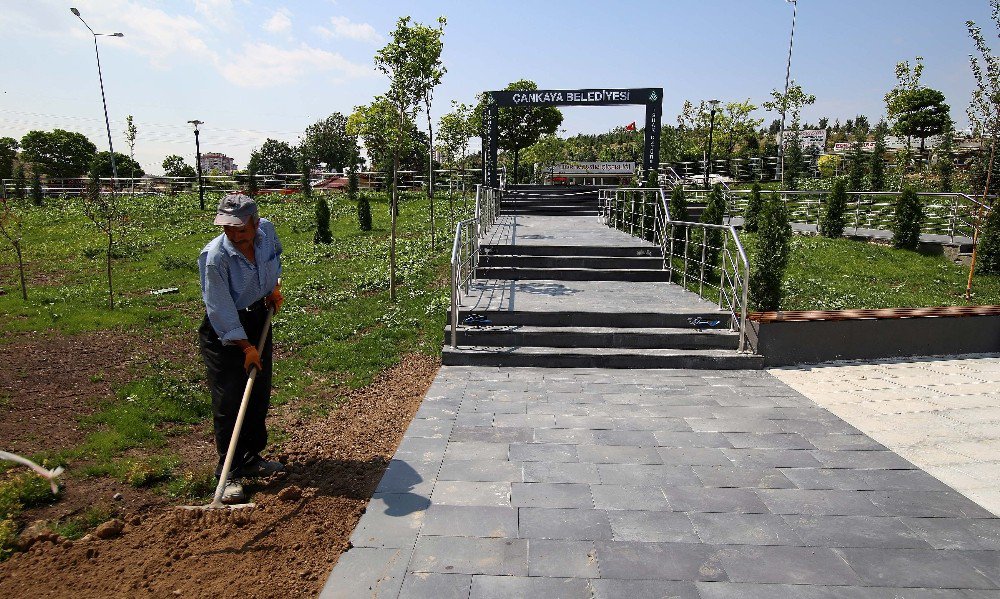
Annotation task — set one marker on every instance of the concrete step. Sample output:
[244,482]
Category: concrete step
[576,337]
[620,320]
[544,357]
[571,250]
[590,262]
[572,274]
[548,212]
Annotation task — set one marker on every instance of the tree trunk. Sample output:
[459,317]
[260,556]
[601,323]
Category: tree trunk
[392,235]
[20,268]
[517,152]
[430,169]
[111,290]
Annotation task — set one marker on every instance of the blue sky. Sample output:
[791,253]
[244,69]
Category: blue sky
[254,69]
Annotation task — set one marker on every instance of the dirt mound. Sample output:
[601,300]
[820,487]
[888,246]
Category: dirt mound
[284,547]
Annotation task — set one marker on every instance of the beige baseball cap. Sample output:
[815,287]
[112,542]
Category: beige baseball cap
[235,210]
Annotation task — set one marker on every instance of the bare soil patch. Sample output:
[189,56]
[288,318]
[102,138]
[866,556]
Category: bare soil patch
[284,547]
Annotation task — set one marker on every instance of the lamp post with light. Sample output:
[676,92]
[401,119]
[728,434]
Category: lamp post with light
[197,150]
[711,131]
[100,78]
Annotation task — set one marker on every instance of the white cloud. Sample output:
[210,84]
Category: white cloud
[158,36]
[219,13]
[344,28]
[280,21]
[266,65]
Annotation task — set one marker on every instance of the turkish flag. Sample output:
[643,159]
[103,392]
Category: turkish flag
[630,127]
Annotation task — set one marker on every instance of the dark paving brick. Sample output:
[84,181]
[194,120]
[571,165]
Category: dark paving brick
[367,572]
[426,585]
[742,590]
[559,558]
[524,420]
[456,492]
[392,520]
[480,471]
[659,561]
[691,439]
[506,587]
[470,521]
[474,419]
[542,452]
[810,425]
[619,497]
[825,478]
[704,499]
[563,523]
[469,555]
[575,436]
[743,529]
[768,441]
[818,503]
[786,565]
[919,504]
[651,527]
[633,438]
[421,449]
[560,472]
[771,458]
[652,424]
[409,476]
[901,480]
[551,495]
[733,425]
[434,429]
[879,460]
[642,589]
[744,477]
[955,533]
[693,456]
[476,450]
[491,434]
[919,568]
[843,442]
[645,475]
[611,454]
[855,531]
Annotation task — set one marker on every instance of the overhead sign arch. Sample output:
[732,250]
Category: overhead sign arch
[651,97]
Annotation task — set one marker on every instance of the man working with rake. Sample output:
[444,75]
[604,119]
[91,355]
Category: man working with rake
[240,272]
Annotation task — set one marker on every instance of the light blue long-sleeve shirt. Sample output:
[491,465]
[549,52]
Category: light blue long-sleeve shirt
[229,282]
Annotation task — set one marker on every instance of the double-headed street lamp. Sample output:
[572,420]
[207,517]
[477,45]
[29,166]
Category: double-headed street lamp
[711,130]
[197,151]
[100,78]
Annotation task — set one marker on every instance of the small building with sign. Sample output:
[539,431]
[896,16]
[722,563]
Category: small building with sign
[588,173]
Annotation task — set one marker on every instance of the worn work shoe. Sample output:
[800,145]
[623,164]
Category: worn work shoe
[233,493]
[260,467]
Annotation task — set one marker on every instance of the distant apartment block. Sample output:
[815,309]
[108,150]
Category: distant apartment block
[219,162]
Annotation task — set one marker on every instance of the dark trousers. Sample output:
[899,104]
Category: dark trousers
[227,381]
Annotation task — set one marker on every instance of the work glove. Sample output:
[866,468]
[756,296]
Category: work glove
[275,299]
[251,358]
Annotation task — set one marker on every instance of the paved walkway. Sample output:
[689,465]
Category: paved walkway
[941,414]
[690,484]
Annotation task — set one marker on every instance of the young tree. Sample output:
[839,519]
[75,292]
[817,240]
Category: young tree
[304,173]
[792,103]
[793,161]
[944,164]
[19,181]
[109,216]
[425,45]
[37,197]
[751,217]
[519,126]
[130,132]
[327,143]
[856,163]
[174,166]
[678,208]
[833,222]
[876,166]
[12,212]
[774,241]
[323,234]
[252,189]
[914,109]
[715,212]
[989,245]
[907,220]
[454,131]
[8,152]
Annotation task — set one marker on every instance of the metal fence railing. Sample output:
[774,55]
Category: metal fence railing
[705,258]
[465,251]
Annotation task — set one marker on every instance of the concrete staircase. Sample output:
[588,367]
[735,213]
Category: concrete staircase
[599,306]
[549,200]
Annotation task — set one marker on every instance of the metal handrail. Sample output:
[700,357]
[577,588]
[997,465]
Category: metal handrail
[465,250]
[626,209]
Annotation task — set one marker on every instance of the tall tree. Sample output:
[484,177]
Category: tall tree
[789,103]
[274,157]
[520,126]
[914,109]
[108,214]
[327,143]
[58,153]
[174,166]
[8,153]
[125,164]
[454,131]
[426,45]
[774,242]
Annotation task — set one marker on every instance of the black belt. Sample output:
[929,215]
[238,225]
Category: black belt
[254,307]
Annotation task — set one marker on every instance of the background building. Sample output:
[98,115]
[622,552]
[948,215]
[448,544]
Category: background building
[219,162]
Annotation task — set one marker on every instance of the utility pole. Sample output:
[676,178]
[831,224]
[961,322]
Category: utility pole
[197,150]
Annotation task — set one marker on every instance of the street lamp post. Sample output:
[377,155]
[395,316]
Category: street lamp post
[100,78]
[197,150]
[711,132]
[784,101]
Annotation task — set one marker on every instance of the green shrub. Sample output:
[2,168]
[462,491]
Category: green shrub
[714,212]
[678,209]
[988,252]
[252,183]
[19,181]
[832,224]
[364,206]
[751,217]
[906,222]
[36,187]
[773,248]
[323,234]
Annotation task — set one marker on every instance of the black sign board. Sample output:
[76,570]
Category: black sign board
[651,97]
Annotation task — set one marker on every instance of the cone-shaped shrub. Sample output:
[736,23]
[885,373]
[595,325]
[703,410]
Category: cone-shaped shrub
[774,240]
[712,238]
[832,224]
[678,208]
[906,222]
[36,187]
[364,207]
[988,252]
[751,216]
[323,234]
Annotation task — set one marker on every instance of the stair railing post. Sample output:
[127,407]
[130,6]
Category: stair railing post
[722,276]
[701,274]
[687,241]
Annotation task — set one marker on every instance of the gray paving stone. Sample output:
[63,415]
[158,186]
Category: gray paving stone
[817,426]
[854,531]
[367,572]
[652,423]
[742,590]
[491,434]
[646,475]
[622,497]
[919,504]
[434,429]
[470,555]
[768,441]
[475,450]
[843,442]
[633,438]
[691,439]
[772,458]
[901,480]
[917,568]
[614,454]
[543,452]
[957,533]
[651,527]
[558,558]
[742,477]
[470,521]
[392,520]
[480,471]
[474,419]
[659,561]
[456,492]
[823,478]
[563,523]
[743,529]
[733,425]
[524,420]
[786,565]
[421,449]
[876,460]
[575,436]
[642,589]
[693,456]
[586,422]
[818,503]
[560,472]
[426,585]
[566,495]
[505,587]
[708,500]
[409,476]
[494,407]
